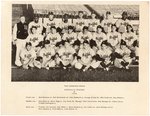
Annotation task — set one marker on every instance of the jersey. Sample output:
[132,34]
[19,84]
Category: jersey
[79,24]
[53,38]
[46,54]
[99,38]
[27,55]
[35,39]
[48,23]
[93,23]
[129,38]
[66,54]
[84,36]
[38,25]
[104,53]
[121,25]
[114,38]
[86,54]
[106,24]
[72,37]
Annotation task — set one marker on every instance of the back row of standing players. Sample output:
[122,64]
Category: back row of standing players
[82,44]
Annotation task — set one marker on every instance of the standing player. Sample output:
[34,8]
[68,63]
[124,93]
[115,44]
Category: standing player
[35,38]
[27,56]
[93,23]
[65,23]
[36,23]
[54,37]
[84,58]
[122,55]
[65,53]
[79,22]
[85,35]
[114,37]
[70,36]
[20,33]
[122,23]
[107,22]
[50,22]
[47,53]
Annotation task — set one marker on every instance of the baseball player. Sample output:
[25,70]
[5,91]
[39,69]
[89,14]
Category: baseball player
[129,37]
[65,53]
[122,23]
[107,22]
[93,22]
[27,56]
[84,57]
[99,36]
[114,37]
[47,53]
[71,36]
[51,21]
[38,62]
[122,55]
[36,23]
[85,35]
[35,38]
[54,37]
[20,33]
[103,56]
[79,23]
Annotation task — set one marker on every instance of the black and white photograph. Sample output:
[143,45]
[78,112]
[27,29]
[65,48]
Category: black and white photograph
[75,43]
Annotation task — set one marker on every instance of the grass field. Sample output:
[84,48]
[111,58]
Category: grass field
[61,75]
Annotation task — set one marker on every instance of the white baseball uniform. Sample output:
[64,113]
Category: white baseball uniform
[38,25]
[71,37]
[84,36]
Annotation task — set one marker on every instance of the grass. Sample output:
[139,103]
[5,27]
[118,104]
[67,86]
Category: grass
[61,75]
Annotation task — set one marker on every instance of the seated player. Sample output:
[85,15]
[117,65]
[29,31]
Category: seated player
[93,22]
[38,62]
[70,36]
[79,22]
[122,56]
[99,36]
[65,23]
[85,35]
[27,56]
[65,54]
[114,37]
[36,23]
[103,56]
[51,21]
[36,39]
[47,53]
[107,22]
[129,37]
[84,57]
[122,23]
[54,37]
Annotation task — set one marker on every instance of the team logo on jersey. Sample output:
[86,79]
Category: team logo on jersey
[34,39]
[70,38]
[93,24]
[80,23]
[107,24]
[28,56]
[50,24]
[67,54]
[47,54]
[129,38]
[114,37]
[53,39]
[99,38]
[85,38]
[38,26]
[86,55]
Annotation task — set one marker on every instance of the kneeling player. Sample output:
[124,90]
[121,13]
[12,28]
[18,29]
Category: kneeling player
[85,55]
[122,55]
[65,53]
[103,55]
[47,53]
[27,56]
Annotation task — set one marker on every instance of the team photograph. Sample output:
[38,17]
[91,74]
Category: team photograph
[75,43]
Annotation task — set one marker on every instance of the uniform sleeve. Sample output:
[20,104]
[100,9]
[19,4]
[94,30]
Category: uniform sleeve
[53,52]
[58,37]
[118,23]
[29,28]
[80,53]
[92,52]
[22,54]
[33,54]
[64,36]
[41,53]
[15,32]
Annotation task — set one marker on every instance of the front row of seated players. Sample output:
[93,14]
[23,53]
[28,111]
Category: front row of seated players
[83,51]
